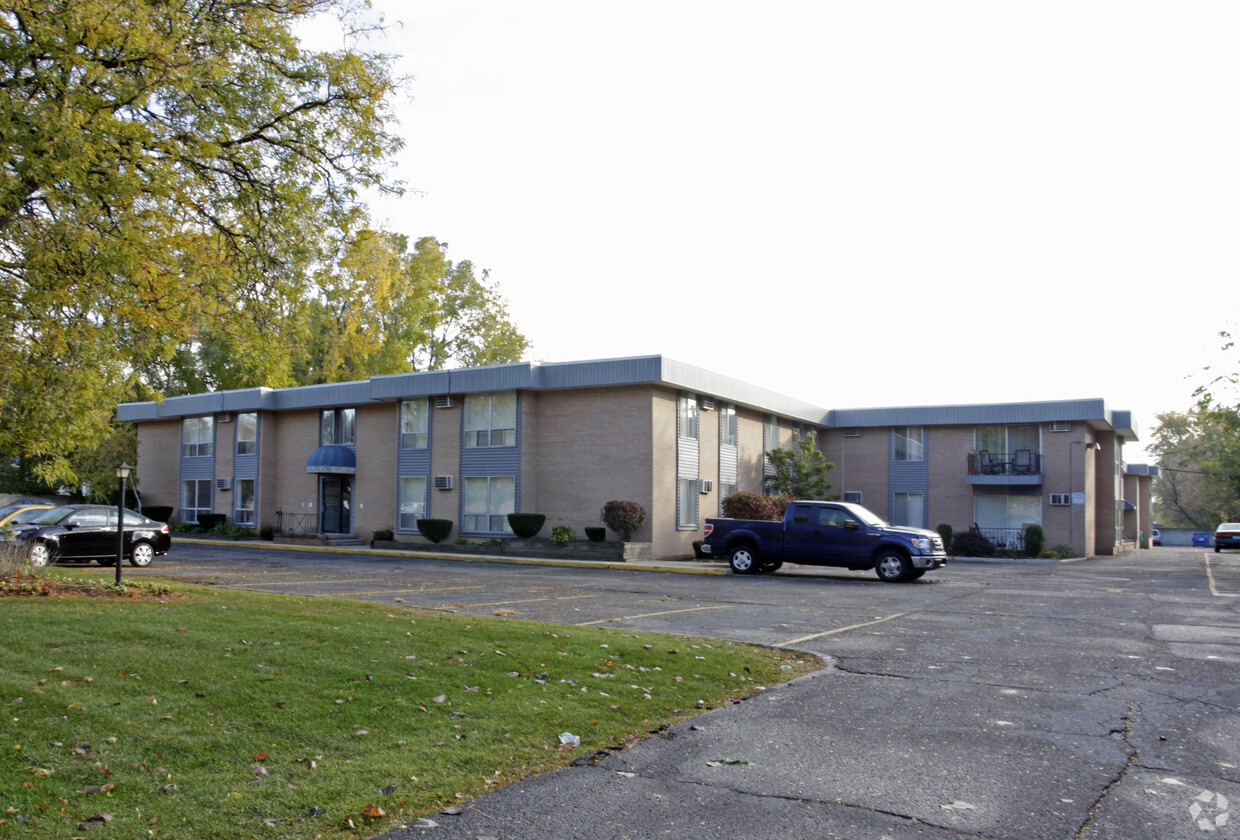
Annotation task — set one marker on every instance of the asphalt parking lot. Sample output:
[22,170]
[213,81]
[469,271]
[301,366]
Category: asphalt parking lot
[1096,699]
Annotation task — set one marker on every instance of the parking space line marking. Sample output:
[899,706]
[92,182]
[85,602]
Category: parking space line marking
[837,630]
[651,615]
[525,601]
[1210,577]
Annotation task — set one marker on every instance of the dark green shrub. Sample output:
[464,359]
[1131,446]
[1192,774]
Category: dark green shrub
[972,544]
[267,532]
[1059,552]
[561,534]
[624,518]
[160,513]
[526,525]
[946,531]
[435,530]
[595,533]
[384,535]
[698,554]
[210,521]
[1035,540]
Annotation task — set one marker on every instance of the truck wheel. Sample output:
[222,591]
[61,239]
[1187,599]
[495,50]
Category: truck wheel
[892,566]
[768,566]
[743,560]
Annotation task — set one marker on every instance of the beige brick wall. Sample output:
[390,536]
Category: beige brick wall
[666,540]
[374,486]
[861,465]
[750,450]
[296,491]
[159,458]
[949,499]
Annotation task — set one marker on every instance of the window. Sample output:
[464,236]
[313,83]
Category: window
[195,499]
[412,502]
[197,436]
[909,443]
[491,420]
[488,501]
[247,433]
[339,425]
[687,504]
[909,509]
[727,425]
[414,423]
[688,408]
[1007,508]
[243,512]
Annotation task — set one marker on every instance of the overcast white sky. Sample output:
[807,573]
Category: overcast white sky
[853,203]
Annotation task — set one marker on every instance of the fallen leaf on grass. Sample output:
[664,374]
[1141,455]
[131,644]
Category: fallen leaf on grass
[261,756]
[373,811]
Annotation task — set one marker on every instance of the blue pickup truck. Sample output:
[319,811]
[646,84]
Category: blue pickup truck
[825,534]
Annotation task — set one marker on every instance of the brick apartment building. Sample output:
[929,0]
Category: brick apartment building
[474,444]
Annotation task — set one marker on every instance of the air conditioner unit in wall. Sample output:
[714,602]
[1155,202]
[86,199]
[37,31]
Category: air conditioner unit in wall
[707,404]
[223,484]
[1061,426]
[443,482]
[223,418]
[443,401]
[706,486]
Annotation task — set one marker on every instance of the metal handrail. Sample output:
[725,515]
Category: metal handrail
[296,524]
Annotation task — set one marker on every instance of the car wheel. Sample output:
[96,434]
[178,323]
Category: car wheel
[744,560]
[143,554]
[106,561]
[40,555]
[916,573]
[892,566]
[768,566]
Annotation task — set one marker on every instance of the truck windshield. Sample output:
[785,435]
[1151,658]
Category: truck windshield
[865,515]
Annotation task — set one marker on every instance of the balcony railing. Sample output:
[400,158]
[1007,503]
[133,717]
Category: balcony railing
[1018,462]
[1012,539]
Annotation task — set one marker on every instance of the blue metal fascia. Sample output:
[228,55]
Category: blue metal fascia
[1091,410]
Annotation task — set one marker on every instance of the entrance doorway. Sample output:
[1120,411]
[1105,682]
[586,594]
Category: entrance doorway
[337,516]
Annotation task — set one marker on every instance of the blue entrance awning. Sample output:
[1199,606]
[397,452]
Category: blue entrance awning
[333,460]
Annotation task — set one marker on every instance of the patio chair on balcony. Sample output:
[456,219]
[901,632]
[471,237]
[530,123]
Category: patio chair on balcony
[1022,462]
[989,466]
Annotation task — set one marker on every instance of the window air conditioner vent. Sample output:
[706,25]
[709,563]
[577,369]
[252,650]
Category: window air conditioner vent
[444,401]
[1061,498]
[853,496]
[443,482]
[223,418]
[223,484]
[852,431]
[707,404]
[1061,426]
[706,486]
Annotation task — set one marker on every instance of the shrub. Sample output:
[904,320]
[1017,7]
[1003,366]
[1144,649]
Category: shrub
[624,518]
[384,535]
[1059,552]
[698,554]
[561,534]
[160,513]
[526,525]
[595,533]
[461,541]
[946,531]
[267,532]
[435,530]
[1035,540]
[973,544]
[209,521]
[750,505]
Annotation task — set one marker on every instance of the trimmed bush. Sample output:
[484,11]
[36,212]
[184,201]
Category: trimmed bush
[946,531]
[1035,540]
[624,518]
[973,544]
[526,525]
[435,530]
[595,534]
[750,505]
[160,513]
[561,534]
[210,521]
[384,535]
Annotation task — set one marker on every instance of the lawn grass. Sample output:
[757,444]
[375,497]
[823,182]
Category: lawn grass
[227,714]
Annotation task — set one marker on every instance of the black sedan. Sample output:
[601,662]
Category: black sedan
[1227,535]
[82,533]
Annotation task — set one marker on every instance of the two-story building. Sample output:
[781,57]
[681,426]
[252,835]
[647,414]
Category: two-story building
[472,445]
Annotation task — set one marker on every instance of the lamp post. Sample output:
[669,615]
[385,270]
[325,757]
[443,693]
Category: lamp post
[122,473]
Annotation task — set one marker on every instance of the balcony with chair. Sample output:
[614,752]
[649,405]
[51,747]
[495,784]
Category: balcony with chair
[1021,466]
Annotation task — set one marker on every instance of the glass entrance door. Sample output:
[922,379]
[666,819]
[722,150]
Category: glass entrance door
[337,504]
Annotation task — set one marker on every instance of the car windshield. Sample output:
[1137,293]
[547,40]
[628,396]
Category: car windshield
[51,517]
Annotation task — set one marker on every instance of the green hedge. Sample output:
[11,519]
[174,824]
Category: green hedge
[526,525]
[435,530]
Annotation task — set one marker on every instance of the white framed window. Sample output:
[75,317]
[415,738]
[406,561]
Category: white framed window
[338,426]
[687,504]
[243,501]
[197,436]
[488,501]
[412,501]
[727,425]
[909,443]
[195,499]
[687,406]
[909,509]
[414,423]
[247,433]
[491,419]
